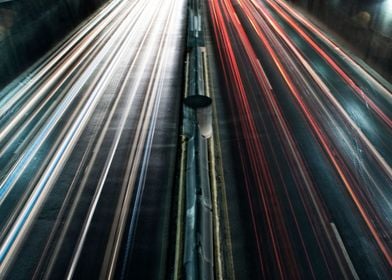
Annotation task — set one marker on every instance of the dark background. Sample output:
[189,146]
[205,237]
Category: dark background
[28,29]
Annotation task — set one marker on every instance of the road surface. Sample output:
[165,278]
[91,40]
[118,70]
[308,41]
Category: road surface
[88,144]
[312,138]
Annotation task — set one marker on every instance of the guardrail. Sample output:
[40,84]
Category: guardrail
[198,256]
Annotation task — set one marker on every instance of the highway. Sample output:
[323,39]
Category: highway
[88,143]
[311,132]
[90,149]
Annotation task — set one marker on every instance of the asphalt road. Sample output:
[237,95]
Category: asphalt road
[88,144]
[311,135]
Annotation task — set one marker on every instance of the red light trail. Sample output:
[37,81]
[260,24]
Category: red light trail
[251,42]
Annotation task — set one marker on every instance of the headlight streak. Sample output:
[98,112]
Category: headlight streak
[41,190]
[29,153]
[278,182]
[51,101]
[8,98]
[108,269]
[107,57]
[23,158]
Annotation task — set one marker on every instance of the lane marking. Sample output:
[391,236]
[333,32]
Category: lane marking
[344,251]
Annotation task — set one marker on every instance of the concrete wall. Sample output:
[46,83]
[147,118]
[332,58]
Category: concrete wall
[365,24]
[28,29]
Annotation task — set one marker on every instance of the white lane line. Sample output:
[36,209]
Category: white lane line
[83,62]
[77,109]
[18,168]
[155,90]
[76,54]
[15,236]
[344,251]
[108,163]
[99,144]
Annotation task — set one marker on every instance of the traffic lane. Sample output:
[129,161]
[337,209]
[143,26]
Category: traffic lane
[20,190]
[375,128]
[301,82]
[270,258]
[81,214]
[327,119]
[60,67]
[32,178]
[234,239]
[149,247]
[99,231]
[234,19]
[260,51]
[361,75]
[97,239]
[73,102]
[246,262]
[149,255]
[61,245]
[241,239]
[243,251]
[290,199]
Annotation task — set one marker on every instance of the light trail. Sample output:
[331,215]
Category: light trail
[24,159]
[333,46]
[372,150]
[99,145]
[263,81]
[361,94]
[52,67]
[117,66]
[343,170]
[248,38]
[42,188]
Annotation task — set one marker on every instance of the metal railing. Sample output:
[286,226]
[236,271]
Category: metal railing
[198,256]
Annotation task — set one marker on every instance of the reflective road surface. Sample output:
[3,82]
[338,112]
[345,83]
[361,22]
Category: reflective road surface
[88,141]
[313,140]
